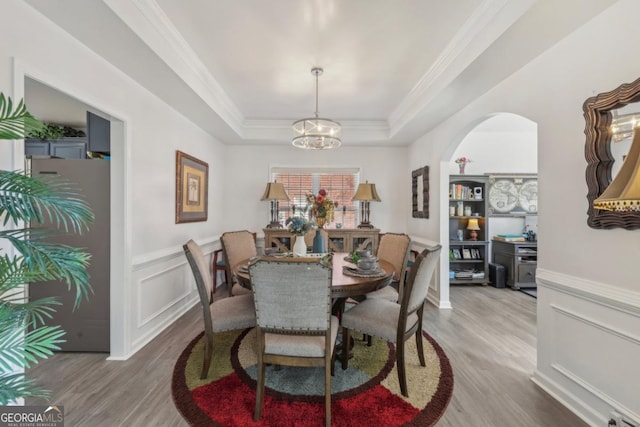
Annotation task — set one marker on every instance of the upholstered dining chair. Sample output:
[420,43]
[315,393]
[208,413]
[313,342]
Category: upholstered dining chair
[225,314]
[218,264]
[393,248]
[236,247]
[294,322]
[395,322]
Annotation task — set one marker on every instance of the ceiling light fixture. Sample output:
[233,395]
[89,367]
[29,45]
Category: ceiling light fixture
[316,133]
[623,125]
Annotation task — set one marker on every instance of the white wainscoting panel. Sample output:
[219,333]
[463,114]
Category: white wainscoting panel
[163,290]
[589,346]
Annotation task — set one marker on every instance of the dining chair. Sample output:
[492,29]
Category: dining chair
[236,247]
[395,322]
[225,314]
[218,264]
[294,322]
[393,248]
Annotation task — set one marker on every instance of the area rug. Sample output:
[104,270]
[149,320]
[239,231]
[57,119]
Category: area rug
[367,393]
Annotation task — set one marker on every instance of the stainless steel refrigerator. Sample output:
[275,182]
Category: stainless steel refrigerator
[87,327]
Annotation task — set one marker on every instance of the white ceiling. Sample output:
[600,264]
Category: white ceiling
[240,69]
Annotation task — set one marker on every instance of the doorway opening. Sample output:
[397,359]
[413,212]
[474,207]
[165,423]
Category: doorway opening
[65,106]
[500,148]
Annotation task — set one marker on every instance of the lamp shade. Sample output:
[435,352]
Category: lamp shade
[623,194]
[473,224]
[275,191]
[366,192]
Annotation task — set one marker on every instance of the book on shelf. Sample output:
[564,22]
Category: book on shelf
[460,192]
[467,274]
[509,238]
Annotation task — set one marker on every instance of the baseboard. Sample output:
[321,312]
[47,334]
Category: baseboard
[568,400]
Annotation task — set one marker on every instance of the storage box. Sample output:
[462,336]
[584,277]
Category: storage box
[497,275]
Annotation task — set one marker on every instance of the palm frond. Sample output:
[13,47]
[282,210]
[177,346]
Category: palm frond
[43,198]
[18,122]
[15,386]
[18,348]
[52,261]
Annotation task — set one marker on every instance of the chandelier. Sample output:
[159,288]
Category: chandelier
[316,133]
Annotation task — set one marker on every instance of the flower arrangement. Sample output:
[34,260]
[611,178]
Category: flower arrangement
[463,160]
[298,225]
[321,207]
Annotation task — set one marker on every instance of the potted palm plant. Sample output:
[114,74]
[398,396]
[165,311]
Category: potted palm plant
[26,203]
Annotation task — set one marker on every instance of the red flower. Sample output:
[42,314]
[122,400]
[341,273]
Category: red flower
[320,197]
[322,192]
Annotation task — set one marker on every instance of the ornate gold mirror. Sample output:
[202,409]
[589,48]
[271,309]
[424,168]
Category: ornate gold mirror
[602,157]
[420,190]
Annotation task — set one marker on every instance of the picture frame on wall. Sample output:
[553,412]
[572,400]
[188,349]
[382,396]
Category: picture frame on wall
[192,188]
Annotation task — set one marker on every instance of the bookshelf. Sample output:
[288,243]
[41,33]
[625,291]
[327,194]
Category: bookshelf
[468,258]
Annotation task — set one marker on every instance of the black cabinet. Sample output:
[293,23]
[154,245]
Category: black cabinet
[99,130]
[66,148]
[36,148]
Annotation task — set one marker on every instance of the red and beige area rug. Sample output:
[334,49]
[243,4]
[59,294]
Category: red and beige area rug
[367,393]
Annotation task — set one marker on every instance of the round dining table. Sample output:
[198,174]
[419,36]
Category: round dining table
[343,285]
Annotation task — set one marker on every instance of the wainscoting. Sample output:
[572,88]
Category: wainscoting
[589,346]
[164,289]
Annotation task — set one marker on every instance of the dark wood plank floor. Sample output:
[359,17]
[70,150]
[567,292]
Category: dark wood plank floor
[489,337]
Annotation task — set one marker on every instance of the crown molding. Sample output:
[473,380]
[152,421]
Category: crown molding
[463,49]
[149,22]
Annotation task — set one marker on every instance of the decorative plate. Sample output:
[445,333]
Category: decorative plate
[356,272]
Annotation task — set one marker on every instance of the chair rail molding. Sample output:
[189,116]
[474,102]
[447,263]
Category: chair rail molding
[582,323]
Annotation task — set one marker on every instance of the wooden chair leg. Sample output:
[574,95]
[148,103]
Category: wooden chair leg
[402,376]
[215,281]
[419,345]
[206,362]
[345,348]
[368,340]
[259,392]
[327,392]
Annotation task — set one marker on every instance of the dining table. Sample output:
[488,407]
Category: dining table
[347,280]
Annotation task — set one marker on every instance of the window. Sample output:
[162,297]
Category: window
[340,184]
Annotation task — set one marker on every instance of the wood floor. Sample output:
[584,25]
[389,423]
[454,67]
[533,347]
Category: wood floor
[489,337]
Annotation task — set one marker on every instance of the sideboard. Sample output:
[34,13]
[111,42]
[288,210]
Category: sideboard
[340,239]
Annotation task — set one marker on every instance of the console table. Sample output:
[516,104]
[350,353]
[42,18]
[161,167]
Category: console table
[520,259]
[340,239]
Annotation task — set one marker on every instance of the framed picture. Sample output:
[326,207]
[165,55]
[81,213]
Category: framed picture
[192,188]
[456,253]
[466,253]
[512,195]
[475,253]
[420,192]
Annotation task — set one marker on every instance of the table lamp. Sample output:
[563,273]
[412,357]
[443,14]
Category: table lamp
[365,194]
[473,226]
[274,193]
